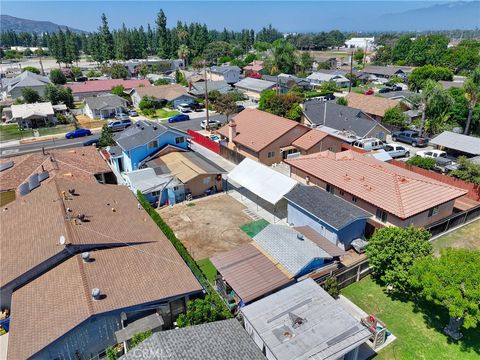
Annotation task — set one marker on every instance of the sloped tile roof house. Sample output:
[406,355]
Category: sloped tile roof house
[82,90]
[393,194]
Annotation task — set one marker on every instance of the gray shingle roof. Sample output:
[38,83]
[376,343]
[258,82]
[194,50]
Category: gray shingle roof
[256,85]
[340,117]
[198,88]
[139,134]
[304,322]
[221,340]
[459,142]
[224,68]
[325,206]
[292,252]
[105,102]
[26,79]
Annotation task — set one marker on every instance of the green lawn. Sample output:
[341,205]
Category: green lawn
[208,269]
[59,129]
[466,237]
[12,132]
[418,327]
[254,227]
[161,113]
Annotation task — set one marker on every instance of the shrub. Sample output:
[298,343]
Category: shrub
[32,69]
[138,338]
[62,119]
[111,353]
[331,287]
[58,77]
[395,116]
[424,163]
[342,101]
[161,82]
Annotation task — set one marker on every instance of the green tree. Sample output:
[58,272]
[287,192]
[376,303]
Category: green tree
[161,82]
[392,251]
[217,49]
[32,69]
[262,46]
[118,90]
[111,353]
[106,137]
[214,95]
[268,35]
[162,35]
[452,281]
[306,61]
[201,311]
[57,77]
[58,94]
[331,287]
[419,76]
[284,57]
[225,104]
[76,72]
[106,44]
[179,77]
[118,71]
[139,338]
[467,170]
[472,93]
[30,96]
[265,96]
[424,163]
[358,55]
[395,116]
[183,52]
[342,101]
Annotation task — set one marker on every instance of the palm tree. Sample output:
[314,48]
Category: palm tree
[472,93]
[183,52]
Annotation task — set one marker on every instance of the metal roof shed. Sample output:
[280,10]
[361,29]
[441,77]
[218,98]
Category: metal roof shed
[261,180]
[458,142]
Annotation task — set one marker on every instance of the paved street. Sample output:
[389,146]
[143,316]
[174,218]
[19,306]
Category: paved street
[194,124]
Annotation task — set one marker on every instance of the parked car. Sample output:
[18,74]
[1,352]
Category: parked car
[368,92]
[445,165]
[369,144]
[329,97]
[184,108]
[179,117]
[80,132]
[396,88]
[197,106]
[119,125]
[432,154]
[132,113]
[410,137]
[384,90]
[396,151]
[91,142]
[212,124]
[240,108]
[81,79]
[122,116]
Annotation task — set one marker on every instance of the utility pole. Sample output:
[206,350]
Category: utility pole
[365,53]
[206,93]
[351,72]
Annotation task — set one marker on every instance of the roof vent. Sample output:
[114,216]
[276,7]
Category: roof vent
[300,237]
[155,127]
[71,191]
[96,294]
[81,217]
[61,240]
[86,257]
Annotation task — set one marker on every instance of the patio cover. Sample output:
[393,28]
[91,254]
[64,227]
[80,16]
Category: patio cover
[261,180]
[146,323]
[459,142]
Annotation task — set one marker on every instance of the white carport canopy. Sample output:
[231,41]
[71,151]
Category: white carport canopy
[261,180]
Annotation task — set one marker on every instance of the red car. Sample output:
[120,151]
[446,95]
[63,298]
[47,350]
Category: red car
[368,92]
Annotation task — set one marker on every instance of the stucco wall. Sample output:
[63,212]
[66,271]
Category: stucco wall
[329,143]
[201,183]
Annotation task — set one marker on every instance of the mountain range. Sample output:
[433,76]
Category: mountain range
[11,23]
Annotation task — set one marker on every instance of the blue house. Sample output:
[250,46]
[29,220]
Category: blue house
[139,142]
[332,217]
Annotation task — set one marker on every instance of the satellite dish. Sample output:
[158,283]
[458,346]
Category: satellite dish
[61,241]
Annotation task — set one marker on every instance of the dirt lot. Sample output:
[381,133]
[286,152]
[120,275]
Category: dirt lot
[208,227]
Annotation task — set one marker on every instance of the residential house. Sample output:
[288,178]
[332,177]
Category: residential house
[386,72]
[318,78]
[332,217]
[344,122]
[197,89]
[158,189]
[331,62]
[254,69]
[13,87]
[22,174]
[80,273]
[287,82]
[81,90]
[104,106]
[262,136]
[360,43]
[140,142]
[245,274]
[33,115]
[374,106]
[225,339]
[252,88]
[198,176]
[230,74]
[395,195]
[304,322]
[175,94]
[457,144]
[161,65]
[316,141]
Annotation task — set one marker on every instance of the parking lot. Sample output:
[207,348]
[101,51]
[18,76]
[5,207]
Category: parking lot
[208,225]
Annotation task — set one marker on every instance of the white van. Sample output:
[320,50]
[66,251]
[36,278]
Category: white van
[369,144]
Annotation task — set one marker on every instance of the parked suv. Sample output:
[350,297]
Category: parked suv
[212,124]
[119,125]
[396,151]
[122,116]
[410,137]
[369,144]
[184,108]
[197,106]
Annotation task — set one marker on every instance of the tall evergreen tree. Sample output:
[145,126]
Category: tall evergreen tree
[162,51]
[106,41]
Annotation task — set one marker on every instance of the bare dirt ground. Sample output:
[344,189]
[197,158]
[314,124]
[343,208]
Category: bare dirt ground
[208,227]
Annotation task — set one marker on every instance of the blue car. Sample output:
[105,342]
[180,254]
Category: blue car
[179,117]
[90,142]
[78,133]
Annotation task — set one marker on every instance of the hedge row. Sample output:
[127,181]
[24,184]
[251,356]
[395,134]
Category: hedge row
[180,248]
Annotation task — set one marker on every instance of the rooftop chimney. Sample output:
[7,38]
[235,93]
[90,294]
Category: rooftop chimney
[86,257]
[232,131]
[96,294]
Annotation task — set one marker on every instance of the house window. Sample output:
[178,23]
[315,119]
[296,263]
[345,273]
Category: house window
[381,215]
[155,193]
[179,140]
[271,154]
[433,211]
[175,188]
[354,198]
[152,144]
[330,189]
[342,192]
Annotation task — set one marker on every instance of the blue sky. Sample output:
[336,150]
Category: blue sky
[288,16]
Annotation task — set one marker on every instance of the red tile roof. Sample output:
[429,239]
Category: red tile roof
[91,86]
[371,104]
[309,139]
[257,129]
[399,191]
